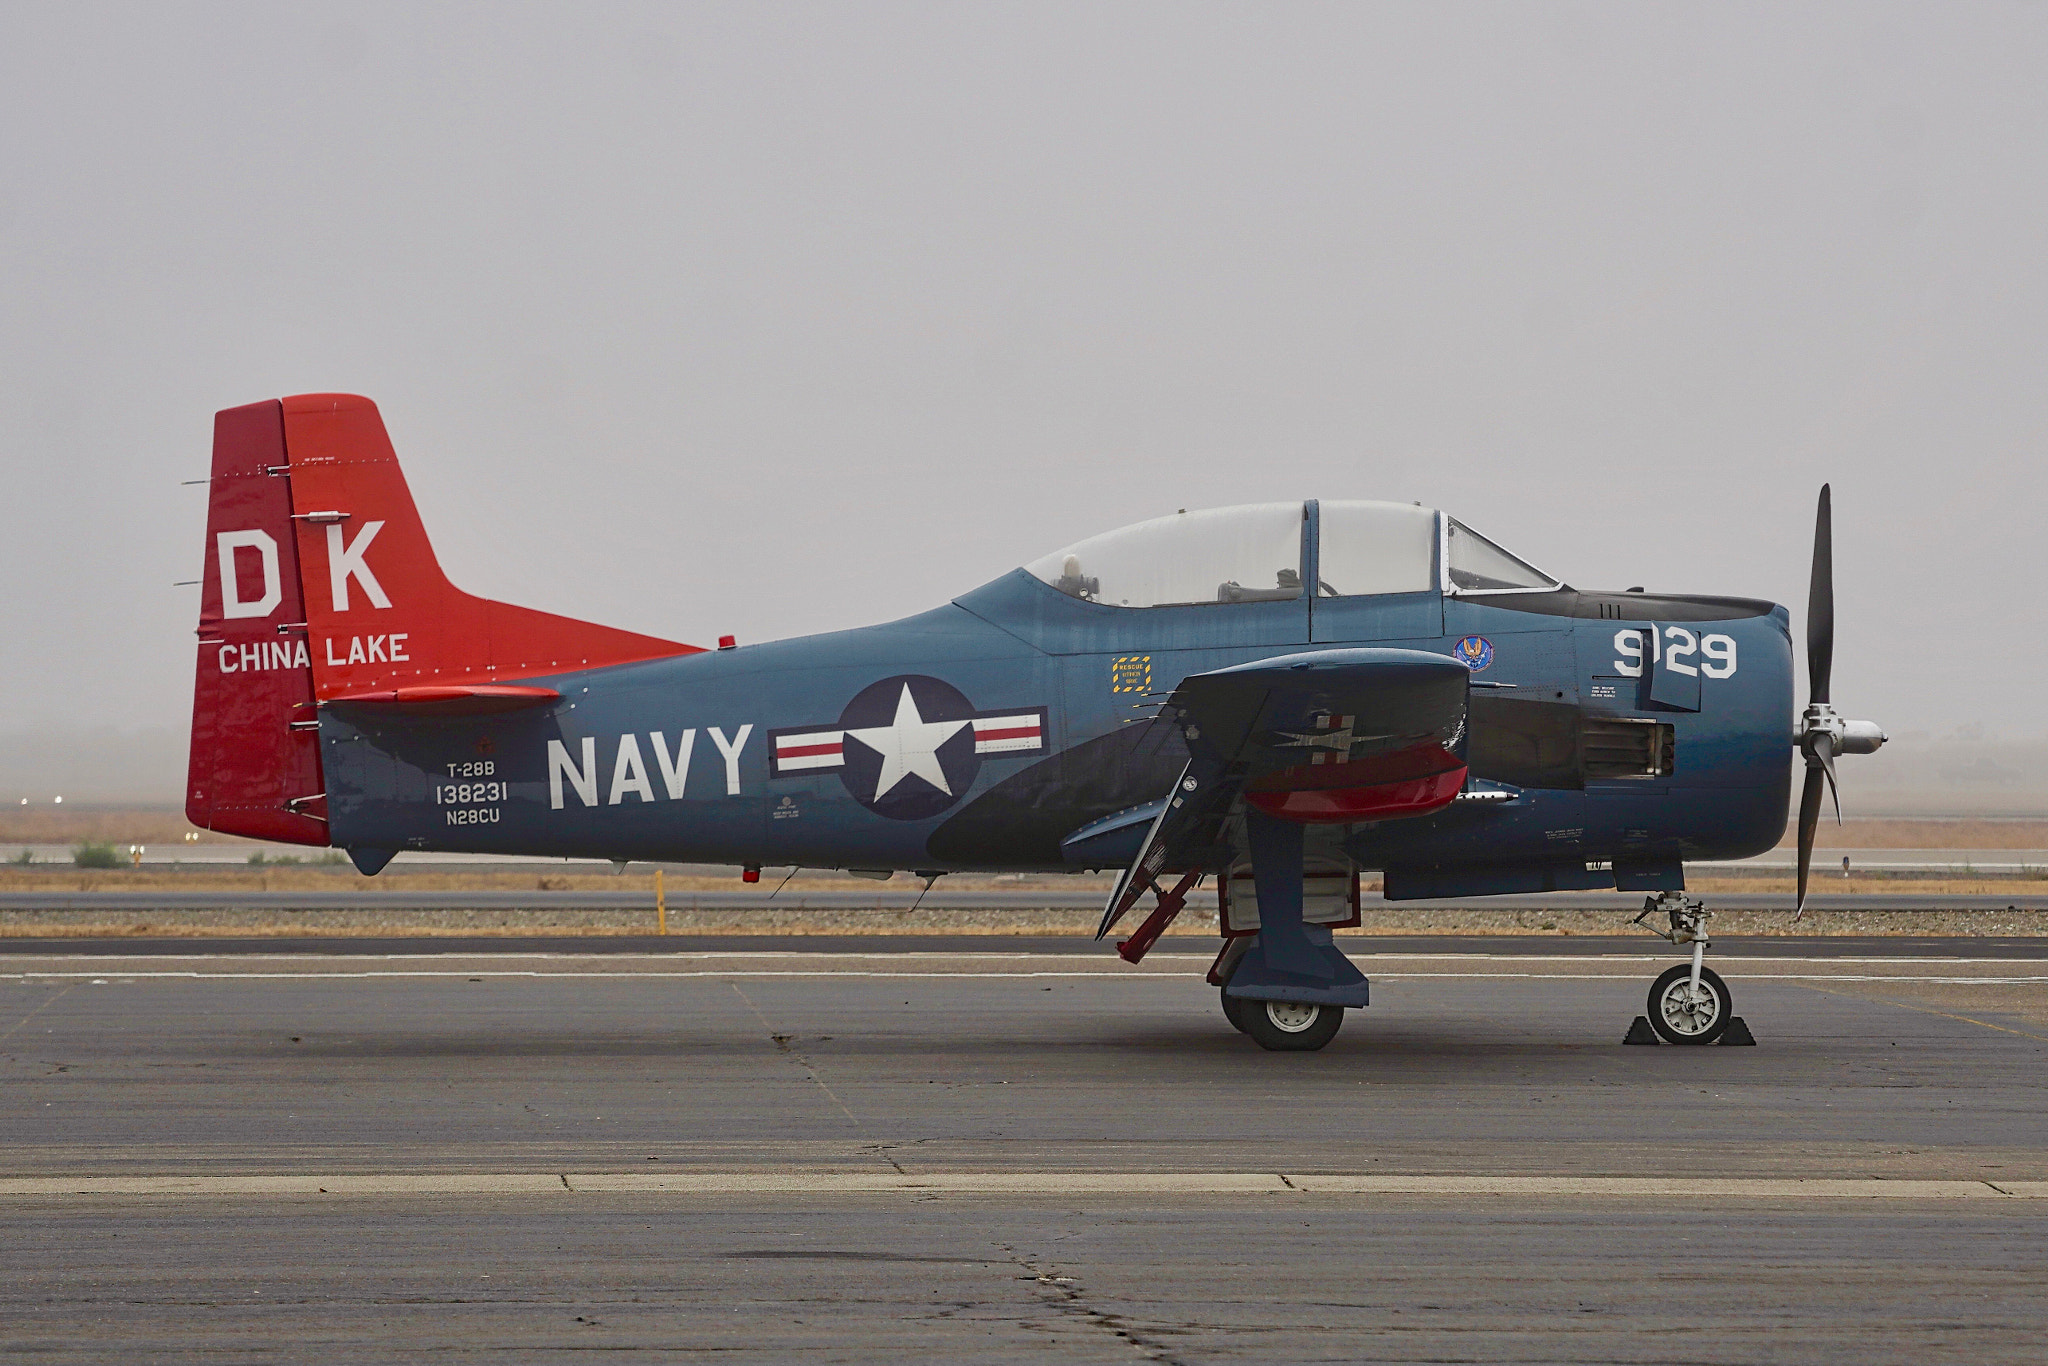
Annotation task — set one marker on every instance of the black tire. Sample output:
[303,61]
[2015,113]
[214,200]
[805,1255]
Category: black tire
[1289,1026]
[1680,1020]
[1233,1010]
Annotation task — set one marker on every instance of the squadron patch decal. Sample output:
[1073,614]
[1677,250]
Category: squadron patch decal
[1474,652]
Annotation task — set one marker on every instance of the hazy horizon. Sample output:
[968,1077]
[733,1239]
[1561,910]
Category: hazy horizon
[705,320]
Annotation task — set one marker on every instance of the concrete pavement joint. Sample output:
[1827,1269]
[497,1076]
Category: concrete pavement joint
[16,1027]
[782,1045]
[1925,1010]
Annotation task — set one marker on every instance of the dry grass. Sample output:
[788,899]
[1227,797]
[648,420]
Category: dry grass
[1872,886]
[48,824]
[1928,834]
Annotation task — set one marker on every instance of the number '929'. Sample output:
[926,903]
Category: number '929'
[1683,652]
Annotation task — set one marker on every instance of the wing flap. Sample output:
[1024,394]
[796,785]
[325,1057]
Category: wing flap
[1323,736]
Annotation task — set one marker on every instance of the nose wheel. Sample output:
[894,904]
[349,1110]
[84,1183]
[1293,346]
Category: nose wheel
[1686,1011]
[1689,1004]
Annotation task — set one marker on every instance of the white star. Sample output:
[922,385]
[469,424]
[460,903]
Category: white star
[910,745]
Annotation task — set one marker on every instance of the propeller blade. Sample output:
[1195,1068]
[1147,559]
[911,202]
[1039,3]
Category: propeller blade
[1820,603]
[1809,818]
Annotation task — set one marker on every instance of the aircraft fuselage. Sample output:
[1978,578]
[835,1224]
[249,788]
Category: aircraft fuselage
[1628,730]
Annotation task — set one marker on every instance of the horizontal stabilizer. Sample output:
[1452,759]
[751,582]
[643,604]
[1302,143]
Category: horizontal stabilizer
[451,699]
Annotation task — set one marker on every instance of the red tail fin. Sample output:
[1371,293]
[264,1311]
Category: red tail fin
[251,772]
[379,612]
[321,584]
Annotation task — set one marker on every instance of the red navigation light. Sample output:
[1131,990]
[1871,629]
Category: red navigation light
[727,642]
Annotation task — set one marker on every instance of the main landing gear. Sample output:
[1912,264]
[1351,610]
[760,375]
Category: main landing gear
[1689,1003]
[1283,1026]
[1288,985]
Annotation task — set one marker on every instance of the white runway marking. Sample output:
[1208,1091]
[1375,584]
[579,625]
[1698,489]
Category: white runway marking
[1109,969]
[465,975]
[1616,959]
[570,1184]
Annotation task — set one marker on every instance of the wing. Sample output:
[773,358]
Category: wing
[1323,736]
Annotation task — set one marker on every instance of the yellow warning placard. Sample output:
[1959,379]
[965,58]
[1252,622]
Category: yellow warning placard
[1130,673]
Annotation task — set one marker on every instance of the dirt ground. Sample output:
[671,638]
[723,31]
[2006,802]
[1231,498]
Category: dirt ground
[1195,930]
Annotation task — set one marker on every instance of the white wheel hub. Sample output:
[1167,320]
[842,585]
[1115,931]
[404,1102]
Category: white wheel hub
[1689,1009]
[1291,1017]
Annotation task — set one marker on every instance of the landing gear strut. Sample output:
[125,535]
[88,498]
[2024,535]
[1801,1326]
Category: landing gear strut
[1287,986]
[1688,1004]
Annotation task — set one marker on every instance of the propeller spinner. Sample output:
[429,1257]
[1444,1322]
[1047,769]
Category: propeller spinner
[1823,732]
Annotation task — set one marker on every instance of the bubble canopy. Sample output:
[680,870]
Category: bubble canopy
[1257,552]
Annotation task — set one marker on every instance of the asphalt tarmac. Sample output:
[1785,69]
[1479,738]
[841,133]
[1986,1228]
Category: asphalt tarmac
[641,898]
[969,1150]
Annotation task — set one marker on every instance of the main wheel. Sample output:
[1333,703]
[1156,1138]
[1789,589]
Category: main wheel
[1289,1026]
[1680,1014]
[1233,1010]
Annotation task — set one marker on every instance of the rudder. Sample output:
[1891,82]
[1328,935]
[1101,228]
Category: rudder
[255,758]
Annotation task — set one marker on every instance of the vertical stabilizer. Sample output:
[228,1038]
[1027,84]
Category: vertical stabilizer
[322,587]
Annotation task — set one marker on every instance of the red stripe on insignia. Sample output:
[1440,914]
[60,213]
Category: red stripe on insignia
[1013,733]
[805,751]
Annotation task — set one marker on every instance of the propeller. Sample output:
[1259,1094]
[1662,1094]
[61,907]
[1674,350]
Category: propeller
[1822,733]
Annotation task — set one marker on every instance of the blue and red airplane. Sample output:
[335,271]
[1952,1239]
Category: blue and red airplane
[1278,696]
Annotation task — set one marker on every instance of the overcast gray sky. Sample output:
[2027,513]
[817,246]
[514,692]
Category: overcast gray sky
[758,319]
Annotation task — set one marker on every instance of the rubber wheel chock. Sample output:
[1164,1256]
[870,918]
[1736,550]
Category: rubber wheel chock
[1640,1032]
[1737,1034]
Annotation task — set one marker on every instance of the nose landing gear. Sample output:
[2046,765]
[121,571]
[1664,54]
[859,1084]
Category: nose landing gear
[1689,1003]
[1689,1009]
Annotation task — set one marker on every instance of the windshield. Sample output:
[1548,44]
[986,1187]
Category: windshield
[1375,548]
[1478,564]
[1235,554]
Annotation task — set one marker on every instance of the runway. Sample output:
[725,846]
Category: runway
[864,1149]
[641,898]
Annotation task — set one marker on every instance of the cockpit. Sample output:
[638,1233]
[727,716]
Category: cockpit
[1269,552]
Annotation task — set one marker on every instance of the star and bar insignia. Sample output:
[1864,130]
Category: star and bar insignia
[908,746]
